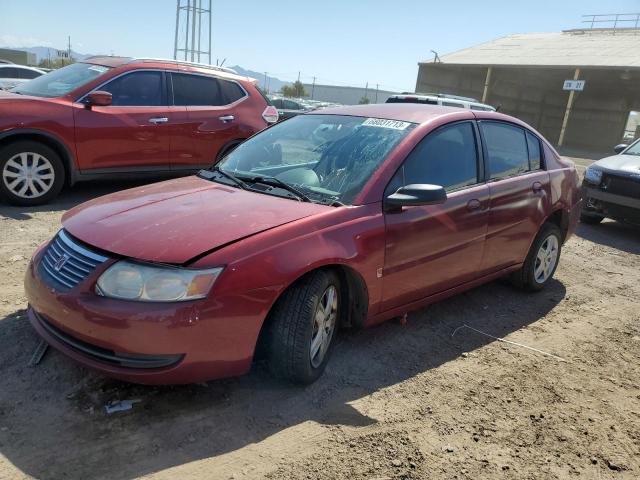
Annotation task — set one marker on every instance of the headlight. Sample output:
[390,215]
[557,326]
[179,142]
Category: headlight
[147,283]
[593,175]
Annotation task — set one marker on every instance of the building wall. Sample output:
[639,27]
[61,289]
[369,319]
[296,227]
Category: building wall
[345,95]
[18,56]
[596,122]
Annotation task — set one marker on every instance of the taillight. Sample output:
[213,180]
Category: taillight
[270,114]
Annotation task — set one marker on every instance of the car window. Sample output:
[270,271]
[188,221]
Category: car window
[136,89]
[9,72]
[289,105]
[447,157]
[196,90]
[535,157]
[28,74]
[231,91]
[277,102]
[507,152]
[62,81]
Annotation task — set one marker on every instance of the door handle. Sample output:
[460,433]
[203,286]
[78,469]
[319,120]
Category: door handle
[536,187]
[473,204]
[158,120]
[227,118]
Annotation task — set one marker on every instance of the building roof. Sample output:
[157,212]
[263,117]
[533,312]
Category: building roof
[572,48]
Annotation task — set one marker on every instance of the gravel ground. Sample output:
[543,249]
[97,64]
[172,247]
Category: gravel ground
[396,401]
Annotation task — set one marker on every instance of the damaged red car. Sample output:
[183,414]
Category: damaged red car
[343,217]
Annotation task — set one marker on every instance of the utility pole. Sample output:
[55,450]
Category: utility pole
[264,84]
[376,93]
[298,76]
[313,87]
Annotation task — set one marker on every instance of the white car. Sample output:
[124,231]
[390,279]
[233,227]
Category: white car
[441,99]
[12,75]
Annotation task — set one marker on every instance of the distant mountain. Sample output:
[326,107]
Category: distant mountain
[274,84]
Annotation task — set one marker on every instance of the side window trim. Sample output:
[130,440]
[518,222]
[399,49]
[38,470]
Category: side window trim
[540,148]
[217,79]
[486,152]
[479,158]
[163,89]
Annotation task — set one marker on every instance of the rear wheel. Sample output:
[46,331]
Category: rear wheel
[31,173]
[303,325]
[542,259]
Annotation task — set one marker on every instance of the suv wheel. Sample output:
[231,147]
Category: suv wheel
[30,173]
[542,260]
[303,325]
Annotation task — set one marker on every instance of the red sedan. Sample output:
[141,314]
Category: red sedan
[343,217]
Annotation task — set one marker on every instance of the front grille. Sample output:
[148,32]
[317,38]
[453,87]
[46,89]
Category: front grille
[67,263]
[625,186]
[103,355]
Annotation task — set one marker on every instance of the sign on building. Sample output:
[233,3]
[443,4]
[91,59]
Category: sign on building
[577,85]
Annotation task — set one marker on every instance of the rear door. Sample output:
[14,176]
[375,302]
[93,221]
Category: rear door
[436,247]
[520,192]
[130,134]
[211,119]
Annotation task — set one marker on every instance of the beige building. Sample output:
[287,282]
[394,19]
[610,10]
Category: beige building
[525,76]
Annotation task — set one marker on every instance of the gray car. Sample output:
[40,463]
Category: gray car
[611,187]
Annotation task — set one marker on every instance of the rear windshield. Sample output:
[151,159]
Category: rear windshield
[62,81]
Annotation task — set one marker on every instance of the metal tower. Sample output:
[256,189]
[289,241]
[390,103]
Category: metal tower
[190,30]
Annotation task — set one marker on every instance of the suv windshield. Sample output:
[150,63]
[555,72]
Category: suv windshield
[62,81]
[329,158]
[634,149]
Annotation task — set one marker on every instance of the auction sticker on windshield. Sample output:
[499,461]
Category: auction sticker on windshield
[384,123]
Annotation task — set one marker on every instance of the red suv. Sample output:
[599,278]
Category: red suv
[340,217]
[114,116]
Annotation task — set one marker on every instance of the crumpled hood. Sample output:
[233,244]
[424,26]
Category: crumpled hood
[629,164]
[176,220]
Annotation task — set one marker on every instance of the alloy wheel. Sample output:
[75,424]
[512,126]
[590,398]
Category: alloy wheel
[546,259]
[324,323]
[28,175]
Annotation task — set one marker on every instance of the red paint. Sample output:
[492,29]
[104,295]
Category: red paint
[266,243]
[122,138]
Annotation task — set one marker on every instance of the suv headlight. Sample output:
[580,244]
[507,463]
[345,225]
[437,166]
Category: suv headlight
[593,175]
[149,283]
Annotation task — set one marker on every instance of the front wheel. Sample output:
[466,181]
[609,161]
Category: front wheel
[303,325]
[542,259]
[31,173]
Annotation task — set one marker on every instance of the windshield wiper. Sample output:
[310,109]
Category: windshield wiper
[228,175]
[276,182]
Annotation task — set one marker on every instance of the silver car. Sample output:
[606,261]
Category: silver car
[12,75]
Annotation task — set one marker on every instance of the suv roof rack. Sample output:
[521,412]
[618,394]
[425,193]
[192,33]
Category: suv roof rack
[442,95]
[184,62]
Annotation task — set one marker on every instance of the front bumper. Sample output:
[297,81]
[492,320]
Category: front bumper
[619,207]
[149,343]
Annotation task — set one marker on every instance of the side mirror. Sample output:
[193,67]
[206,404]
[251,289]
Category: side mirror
[417,194]
[620,147]
[98,98]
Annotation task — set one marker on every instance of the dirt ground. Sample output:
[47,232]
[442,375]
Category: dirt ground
[396,401]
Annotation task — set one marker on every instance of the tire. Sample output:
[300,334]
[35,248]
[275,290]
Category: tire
[529,276]
[591,218]
[41,184]
[294,328]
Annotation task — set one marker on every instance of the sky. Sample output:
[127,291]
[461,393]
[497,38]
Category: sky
[341,42]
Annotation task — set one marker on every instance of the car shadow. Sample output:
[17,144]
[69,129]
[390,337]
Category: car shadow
[53,422]
[621,236]
[72,196]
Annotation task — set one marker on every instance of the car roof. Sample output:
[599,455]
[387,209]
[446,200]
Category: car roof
[24,67]
[404,112]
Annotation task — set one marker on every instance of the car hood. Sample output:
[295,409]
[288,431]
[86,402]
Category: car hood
[626,164]
[177,220]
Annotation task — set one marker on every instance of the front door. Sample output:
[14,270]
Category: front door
[432,248]
[133,133]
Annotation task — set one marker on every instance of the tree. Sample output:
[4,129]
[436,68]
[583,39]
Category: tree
[296,90]
[364,101]
[55,62]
